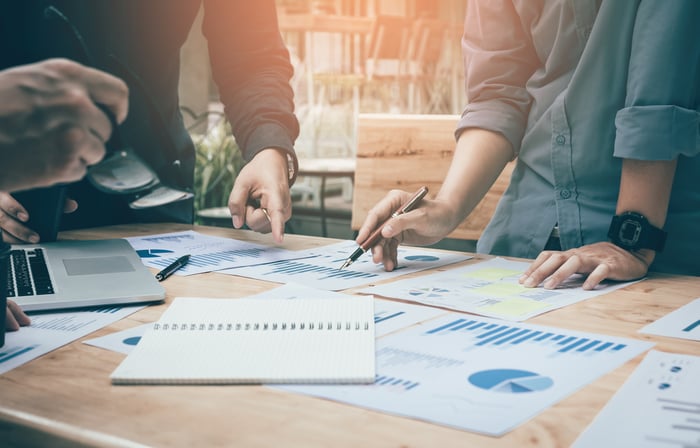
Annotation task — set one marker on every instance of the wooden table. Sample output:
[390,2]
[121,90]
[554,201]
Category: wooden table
[65,398]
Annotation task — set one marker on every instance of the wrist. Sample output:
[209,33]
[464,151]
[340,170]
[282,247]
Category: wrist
[645,255]
[633,232]
[289,160]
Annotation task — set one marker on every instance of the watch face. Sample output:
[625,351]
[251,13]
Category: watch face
[629,232]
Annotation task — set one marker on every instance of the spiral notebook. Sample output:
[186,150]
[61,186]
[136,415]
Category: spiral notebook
[229,341]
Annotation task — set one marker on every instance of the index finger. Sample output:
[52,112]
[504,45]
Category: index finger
[277,220]
[274,209]
[380,213]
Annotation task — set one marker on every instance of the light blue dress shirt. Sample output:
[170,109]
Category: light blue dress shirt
[575,86]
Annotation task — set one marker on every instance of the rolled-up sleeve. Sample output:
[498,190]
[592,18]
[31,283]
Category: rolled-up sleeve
[661,117]
[498,61]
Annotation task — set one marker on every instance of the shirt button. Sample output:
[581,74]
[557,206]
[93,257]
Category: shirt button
[560,139]
[565,194]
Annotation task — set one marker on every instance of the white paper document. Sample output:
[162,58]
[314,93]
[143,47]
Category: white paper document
[682,323]
[207,253]
[657,407]
[319,267]
[489,288]
[481,374]
[50,331]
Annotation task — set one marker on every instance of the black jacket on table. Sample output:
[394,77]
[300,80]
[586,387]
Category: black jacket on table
[139,41]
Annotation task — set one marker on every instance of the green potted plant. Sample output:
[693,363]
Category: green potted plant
[218,161]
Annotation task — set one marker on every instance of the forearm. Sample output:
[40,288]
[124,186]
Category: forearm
[479,158]
[645,187]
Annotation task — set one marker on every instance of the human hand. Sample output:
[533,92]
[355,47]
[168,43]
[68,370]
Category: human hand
[431,221]
[263,181]
[599,261]
[51,129]
[15,317]
[13,216]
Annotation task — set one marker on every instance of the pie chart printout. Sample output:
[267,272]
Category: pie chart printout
[153,253]
[510,381]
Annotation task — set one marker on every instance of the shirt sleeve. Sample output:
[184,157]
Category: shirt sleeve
[252,69]
[661,118]
[498,60]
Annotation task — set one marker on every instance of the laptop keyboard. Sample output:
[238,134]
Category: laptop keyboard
[28,273]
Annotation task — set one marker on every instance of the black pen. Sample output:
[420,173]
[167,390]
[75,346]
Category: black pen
[377,234]
[174,266]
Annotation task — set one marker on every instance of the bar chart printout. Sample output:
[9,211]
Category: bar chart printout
[479,374]
[207,253]
[49,331]
[319,267]
[661,398]
[683,323]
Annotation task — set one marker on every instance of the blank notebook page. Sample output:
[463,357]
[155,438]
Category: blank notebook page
[223,341]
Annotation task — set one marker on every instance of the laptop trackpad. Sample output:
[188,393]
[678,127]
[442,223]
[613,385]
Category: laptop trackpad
[99,265]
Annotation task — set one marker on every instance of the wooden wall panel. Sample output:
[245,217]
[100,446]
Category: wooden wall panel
[407,151]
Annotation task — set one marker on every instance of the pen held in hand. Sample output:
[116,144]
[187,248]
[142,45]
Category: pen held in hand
[170,269]
[377,234]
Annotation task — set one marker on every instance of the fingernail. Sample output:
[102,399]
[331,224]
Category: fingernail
[388,229]
[530,283]
[522,278]
[34,238]
[549,284]
[22,216]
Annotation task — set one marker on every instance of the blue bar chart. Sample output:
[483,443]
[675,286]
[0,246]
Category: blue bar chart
[320,267]
[483,333]
[49,331]
[206,253]
[213,259]
[291,269]
[682,322]
[8,353]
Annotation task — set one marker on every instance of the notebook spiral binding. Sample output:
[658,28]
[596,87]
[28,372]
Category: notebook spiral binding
[263,326]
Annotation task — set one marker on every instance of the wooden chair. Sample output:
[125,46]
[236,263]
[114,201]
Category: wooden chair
[407,151]
[387,54]
[388,43]
[426,56]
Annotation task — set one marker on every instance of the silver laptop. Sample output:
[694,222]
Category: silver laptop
[71,274]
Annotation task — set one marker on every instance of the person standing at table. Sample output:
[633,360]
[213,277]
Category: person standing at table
[599,102]
[140,42]
[51,130]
